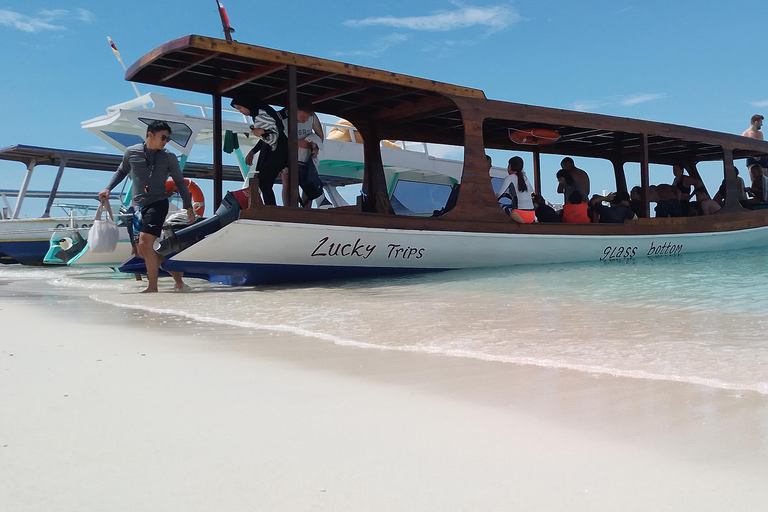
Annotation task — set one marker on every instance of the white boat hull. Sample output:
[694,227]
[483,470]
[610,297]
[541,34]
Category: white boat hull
[249,252]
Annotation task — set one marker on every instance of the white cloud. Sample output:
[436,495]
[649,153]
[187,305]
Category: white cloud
[623,101]
[494,18]
[44,20]
[761,103]
[381,45]
[84,15]
[636,99]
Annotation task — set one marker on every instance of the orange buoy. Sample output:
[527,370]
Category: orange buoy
[198,201]
[533,136]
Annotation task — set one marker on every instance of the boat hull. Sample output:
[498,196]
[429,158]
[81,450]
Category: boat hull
[27,241]
[251,252]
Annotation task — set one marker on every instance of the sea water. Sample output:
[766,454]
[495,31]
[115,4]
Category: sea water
[689,318]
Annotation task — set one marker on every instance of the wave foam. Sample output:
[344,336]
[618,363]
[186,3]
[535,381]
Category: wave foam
[759,387]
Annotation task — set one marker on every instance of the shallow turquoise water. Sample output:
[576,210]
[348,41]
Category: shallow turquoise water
[697,318]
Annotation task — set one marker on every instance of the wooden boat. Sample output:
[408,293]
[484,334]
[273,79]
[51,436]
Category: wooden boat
[282,244]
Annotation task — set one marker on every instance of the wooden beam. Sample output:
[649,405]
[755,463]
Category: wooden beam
[293,138]
[189,66]
[406,111]
[537,171]
[255,74]
[644,175]
[218,167]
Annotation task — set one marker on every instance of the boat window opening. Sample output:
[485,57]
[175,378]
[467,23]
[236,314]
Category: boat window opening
[419,199]
[180,132]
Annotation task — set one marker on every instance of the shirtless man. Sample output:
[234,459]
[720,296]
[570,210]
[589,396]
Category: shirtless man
[753,132]
[578,175]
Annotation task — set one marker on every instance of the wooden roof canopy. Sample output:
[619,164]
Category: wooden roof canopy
[410,108]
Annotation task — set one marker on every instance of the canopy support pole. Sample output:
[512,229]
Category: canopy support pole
[293,137]
[55,188]
[24,187]
[218,149]
[729,174]
[644,175]
[621,178]
[537,172]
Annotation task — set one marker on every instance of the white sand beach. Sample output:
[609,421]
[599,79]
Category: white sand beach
[108,409]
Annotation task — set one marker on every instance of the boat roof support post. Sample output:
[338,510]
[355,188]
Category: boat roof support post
[477,200]
[55,188]
[375,198]
[537,172]
[644,176]
[293,137]
[24,186]
[621,177]
[729,174]
[218,150]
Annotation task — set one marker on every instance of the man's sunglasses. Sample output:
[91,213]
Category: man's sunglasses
[165,137]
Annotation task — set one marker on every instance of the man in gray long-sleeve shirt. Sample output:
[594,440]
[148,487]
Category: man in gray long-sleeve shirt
[149,165]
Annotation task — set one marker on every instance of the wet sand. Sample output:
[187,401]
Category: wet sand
[112,409]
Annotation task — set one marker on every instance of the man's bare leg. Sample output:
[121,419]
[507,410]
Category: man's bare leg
[146,251]
[179,284]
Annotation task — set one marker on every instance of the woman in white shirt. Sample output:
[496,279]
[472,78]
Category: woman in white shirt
[517,187]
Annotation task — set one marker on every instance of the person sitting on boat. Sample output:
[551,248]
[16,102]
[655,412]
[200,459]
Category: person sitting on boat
[706,204]
[149,165]
[685,184]
[567,185]
[576,210]
[759,189]
[272,145]
[740,189]
[517,187]
[544,212]
[579,176]
[636,202]
[753,132]
[310,133]
[667,199]
[617,212]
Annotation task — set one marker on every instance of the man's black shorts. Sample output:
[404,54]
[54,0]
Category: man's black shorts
[152,217]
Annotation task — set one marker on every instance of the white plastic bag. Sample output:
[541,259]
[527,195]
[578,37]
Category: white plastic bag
[104,234]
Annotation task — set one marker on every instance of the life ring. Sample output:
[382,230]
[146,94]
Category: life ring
[533,136]
[198,200]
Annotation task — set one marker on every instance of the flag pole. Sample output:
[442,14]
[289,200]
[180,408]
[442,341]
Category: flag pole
[225,22]
[120,60]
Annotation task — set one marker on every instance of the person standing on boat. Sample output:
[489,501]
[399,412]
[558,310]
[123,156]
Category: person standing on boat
[149,165]
[753,132]
[272,145]
[579,176]
[517,187]
[311,138]
[567,185]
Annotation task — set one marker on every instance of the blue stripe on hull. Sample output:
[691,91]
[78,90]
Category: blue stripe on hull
[251,274]
[26,252]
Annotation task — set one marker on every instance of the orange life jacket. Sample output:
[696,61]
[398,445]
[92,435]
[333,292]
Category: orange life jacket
[576,213]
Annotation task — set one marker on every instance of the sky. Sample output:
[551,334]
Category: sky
[693,63]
